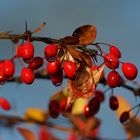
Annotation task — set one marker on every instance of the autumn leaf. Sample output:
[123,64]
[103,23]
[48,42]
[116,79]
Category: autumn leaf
[44,134]
[78,106]
[70,40]
[36,114]
[86,34]
[27,134]
[75,54]
[132,127]
[98,74]
[86,128]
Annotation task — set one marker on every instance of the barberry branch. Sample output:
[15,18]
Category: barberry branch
[24,36]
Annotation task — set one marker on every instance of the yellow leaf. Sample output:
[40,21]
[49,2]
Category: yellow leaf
[97,74]
[27,134]
[78,106]
[35,114]
[132,127]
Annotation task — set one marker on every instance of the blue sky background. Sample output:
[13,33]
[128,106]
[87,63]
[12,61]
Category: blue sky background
[117,22]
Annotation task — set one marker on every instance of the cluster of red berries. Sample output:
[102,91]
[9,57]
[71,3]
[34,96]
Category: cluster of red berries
[55,67]
[7,69]
[111,60]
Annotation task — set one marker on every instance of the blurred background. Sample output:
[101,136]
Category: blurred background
[117,22]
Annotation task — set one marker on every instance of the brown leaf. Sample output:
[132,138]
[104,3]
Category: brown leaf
[70,40]
[86,34]
[86,86]
[75,54]
[27,134]
[81,77]
[87,59]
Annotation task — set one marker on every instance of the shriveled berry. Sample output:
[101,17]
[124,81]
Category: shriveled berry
[113,103]
[50,52]
[36,63]
[27,76]
[115,51]
[114,79]
[100,95]
[129,70]
[111,61]
[57,79]
[4,103]
[9,68]
[124,116]
[70,69]
[54,108]
[53,67]
[94,105]
[27,51]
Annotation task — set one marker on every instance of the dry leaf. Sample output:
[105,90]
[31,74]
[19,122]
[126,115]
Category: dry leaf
[75,54]
[132,127]
[70,40]
[27,134]
[86,34]
[85,89]
[98,74]
[87,58]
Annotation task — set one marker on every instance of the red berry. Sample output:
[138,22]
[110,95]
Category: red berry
[54,108]
[2,76]
[87,113]
[114,79]
[124,117]
[115,51]
[70,69]
[53,67]
[4,103]
[113,103]
[36,63]
[9,68]
[63,103]
[19,51]
[94,105]
[57,79]
[129,70]
[27,51]
[27,76]
[100,95]
[111,61]
[50,52]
